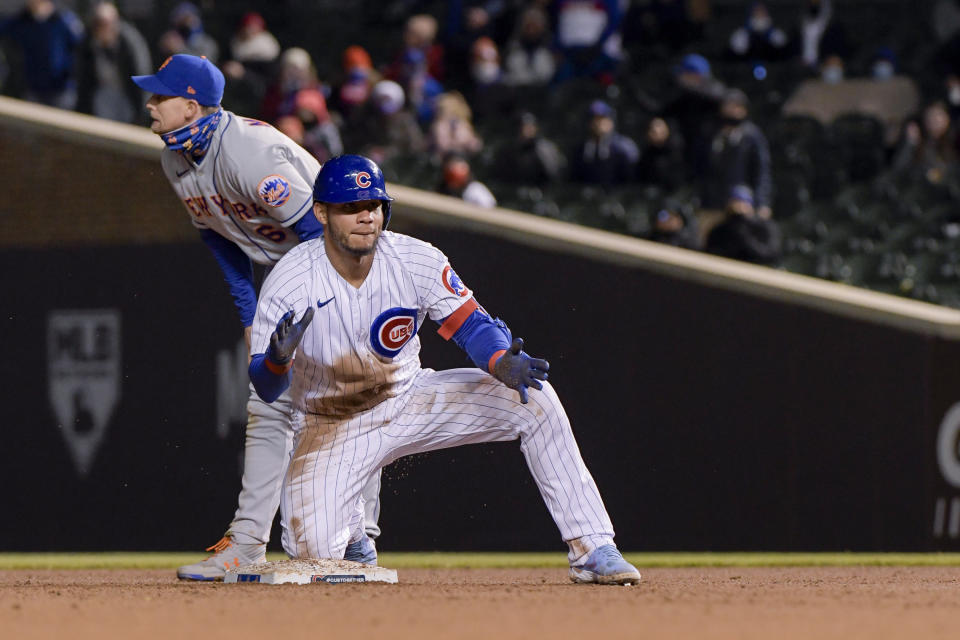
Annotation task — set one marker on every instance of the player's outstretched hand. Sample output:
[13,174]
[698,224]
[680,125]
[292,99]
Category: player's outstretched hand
[518,370]
[286,337]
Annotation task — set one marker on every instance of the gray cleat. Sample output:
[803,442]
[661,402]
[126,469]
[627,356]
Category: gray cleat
[227,554]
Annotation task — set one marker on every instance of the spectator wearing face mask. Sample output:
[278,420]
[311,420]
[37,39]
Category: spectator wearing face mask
[832,69]
[419,33]
[605,157]
[321,135]
[421,88]
[485,68]
[530,158]
[691,101]
[489,96]
[458,181]
[529,59]
[466,21]
[883,64]
[759,39]
[740,155]
[675,226]
[661,156]
[744,234]
[890,98]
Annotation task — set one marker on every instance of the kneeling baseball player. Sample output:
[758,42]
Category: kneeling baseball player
[361,399]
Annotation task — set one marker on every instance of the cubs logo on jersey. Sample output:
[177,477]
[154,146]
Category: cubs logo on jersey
[453,283]
[274,190]
[392,329]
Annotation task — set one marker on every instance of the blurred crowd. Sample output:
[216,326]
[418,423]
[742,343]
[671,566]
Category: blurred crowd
[701,124]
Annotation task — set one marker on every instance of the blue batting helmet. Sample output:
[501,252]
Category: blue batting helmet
[350,178]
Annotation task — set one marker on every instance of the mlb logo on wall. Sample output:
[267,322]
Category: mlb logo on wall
[83,373]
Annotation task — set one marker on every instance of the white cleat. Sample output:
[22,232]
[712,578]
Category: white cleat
[605,566]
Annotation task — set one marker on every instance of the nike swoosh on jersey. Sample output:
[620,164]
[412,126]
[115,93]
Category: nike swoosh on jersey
[321,305]
[180,174]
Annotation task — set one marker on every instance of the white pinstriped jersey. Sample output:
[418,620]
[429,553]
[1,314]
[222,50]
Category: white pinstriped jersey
[253,184]
[362,346]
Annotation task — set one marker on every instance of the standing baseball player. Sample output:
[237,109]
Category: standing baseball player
[247,188]
[362,400]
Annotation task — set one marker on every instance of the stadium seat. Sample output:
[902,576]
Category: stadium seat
[791,192]
[920,195]
[804,264]
[877,213]
[637,219]
[858,140]
[804,131]
[902,237]
[853,198]
[861,268]
[921,275]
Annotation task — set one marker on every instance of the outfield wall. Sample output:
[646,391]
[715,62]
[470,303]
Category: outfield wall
[719,405]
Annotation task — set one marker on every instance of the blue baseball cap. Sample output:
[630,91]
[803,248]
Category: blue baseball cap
[600,108]
[190,77]
[742,193]
[693,63]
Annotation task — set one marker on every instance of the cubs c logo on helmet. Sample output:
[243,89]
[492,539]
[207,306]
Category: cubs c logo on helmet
[274,190]
[363,180]
[453,283]
[392,330]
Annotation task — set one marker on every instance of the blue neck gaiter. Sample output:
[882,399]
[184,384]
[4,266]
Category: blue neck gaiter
[194,139]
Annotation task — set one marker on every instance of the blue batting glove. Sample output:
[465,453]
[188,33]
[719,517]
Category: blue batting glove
[518,370]
[286,337]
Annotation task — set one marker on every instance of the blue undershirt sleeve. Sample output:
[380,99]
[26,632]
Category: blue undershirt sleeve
[482,336]
[237,271]
[268,384]
[308,227]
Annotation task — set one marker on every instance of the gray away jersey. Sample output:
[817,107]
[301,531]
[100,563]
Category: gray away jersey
[362,346]
[253,184]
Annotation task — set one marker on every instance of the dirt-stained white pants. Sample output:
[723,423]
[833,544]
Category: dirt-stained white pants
[266,453]
[333,459]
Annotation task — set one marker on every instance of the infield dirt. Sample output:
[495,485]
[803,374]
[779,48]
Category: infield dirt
[702,604]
